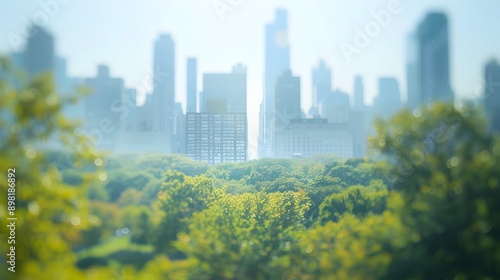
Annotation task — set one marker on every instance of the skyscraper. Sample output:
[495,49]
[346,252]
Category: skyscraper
[61,75]
[492,94]
[359,94]
[388,100]
[322,83]
[336,107]
[359,118]
[228,88]
[287,98]
[39,54]
[277,60]
[179,130]
[192,85]
[99,114]
[65,84]
[414,96]
[129,110]
[145,114]
[431,68]
[164,87]
[219,133]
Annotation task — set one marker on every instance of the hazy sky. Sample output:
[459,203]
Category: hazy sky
[121,33]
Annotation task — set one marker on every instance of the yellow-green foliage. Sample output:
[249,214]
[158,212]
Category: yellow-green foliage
[49,213]
[239,235]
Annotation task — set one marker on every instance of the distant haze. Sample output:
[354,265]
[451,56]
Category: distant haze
[121,34]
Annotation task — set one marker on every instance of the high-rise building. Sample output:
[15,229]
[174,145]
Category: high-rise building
[287,98]
[146,114]
[432,68]
[66,87]
[358,119]
[492,94]
[128,110]
[336,107]
[100,116]
[414,96]
[39,54]
[227,89]
[359,94]
[219,133]
[277,60]
[216,138]
[192,86]
[322,83]
[141,138]
[310,137]
[61,75]
[179,145]
[388,100]
[164,87]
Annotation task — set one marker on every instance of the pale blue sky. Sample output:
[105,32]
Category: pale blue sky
[121,33]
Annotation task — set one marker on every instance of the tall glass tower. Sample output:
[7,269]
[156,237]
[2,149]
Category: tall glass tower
[277,60]
[39,55]
[164,87]
[434,59]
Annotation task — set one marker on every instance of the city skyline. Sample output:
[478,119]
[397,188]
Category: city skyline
[343,73]
[237,139]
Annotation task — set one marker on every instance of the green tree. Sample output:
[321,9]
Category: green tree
[125,178]
[447,168]
[352,248]
[139,220]
[106,218]
[359,201]
[180,197]
[318,190]
[238,236]
[49,213]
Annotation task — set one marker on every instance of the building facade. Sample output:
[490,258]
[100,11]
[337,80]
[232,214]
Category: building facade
[219,133]
[310,137]
[217,138]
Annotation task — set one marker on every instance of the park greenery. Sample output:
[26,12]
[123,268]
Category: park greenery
[423,205]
